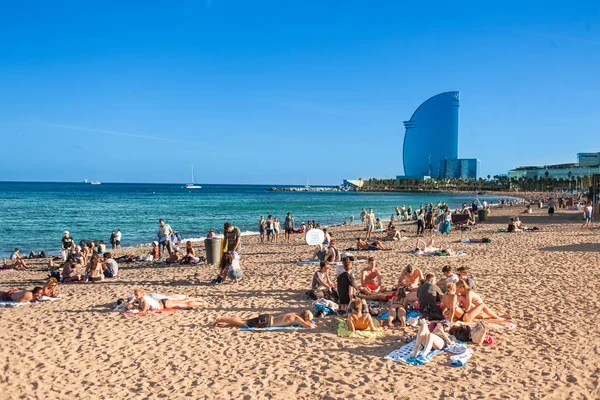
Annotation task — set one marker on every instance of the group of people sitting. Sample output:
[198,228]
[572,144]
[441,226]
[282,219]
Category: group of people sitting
[452,298]
[76,269]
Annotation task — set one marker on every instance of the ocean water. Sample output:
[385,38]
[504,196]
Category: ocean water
[34,215]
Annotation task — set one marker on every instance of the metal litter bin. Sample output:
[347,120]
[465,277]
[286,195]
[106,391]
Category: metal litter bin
[213,250]
[482,214]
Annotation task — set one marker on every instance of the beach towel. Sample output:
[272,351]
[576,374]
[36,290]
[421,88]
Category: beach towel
[343,331]
[409,314]
[437,254]
[12,304]
[275,328]
[403,355]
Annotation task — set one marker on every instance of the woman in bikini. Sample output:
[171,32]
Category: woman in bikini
[453,311]
[95,269]
[397,308]
[468,299]
[437,340]
[49,288]
[357,321]
[145,302]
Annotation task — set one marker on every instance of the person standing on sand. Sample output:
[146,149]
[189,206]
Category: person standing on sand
[587,214]
[277,228]
[164,237]
[232,237]
[68,243]
[113,240]
[370,221]
[262,224]
[118,239]
[363,215]
[288,225]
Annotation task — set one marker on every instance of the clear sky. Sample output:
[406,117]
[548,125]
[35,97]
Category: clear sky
[284,91]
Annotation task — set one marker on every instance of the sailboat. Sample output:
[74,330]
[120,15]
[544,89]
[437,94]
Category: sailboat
[193,185]
[306,186]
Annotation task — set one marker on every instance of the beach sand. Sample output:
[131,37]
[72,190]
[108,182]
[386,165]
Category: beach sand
[547,281]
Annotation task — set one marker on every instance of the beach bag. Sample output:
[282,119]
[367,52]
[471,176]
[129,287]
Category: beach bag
[478,333]
[326,303]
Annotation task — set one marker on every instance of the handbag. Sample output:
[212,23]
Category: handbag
[478,333]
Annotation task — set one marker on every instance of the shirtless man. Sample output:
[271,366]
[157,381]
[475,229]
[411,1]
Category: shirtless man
[370,221]
[393,233]
[370,278]
[267,321]
[410,278]
[22,295]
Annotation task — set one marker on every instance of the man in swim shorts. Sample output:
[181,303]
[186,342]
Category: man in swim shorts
[267,321]
[370,278]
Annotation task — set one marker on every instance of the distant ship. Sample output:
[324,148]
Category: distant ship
[92,182]
[192,185]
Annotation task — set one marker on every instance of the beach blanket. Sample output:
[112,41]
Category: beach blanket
[403,355]
[276,328]
[343,331]
[12,304]
[85,283]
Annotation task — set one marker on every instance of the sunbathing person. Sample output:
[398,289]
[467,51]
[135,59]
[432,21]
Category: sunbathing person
[392,234]
[95,270]
[426,247]
[453,311]
[19,264]
[370,279]
[173,257]
[49,288]
[482,240]
[468,299]
[144,302]
[410,278]
[357,321]
[69,271]
[437,340]
[268,321]
[397,308]
[21,295]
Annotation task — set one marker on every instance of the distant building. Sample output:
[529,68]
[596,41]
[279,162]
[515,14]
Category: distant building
[460,168]
[353,184]
[431,136]
[588,164]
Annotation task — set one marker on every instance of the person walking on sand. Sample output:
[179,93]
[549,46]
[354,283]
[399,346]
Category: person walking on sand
[288,225]
[232,237]
[164,237]
[262,225]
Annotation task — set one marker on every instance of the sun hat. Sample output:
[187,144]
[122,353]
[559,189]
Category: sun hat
[65,232]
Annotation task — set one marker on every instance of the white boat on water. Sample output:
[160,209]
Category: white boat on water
[192,185]
[95,182]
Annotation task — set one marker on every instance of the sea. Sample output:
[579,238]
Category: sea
[33,216]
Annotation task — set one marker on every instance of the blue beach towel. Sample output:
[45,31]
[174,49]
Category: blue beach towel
[403,355]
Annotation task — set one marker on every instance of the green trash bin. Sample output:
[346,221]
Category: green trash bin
[213,250]
[482,214]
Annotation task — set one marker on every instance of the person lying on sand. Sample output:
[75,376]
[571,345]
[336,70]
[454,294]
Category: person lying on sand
[22,295]
[267,321]
[482,240]
[468,299]
[144,302]
[410,278]
[437,340]
[50,287]
[370,278]
[357,321]
[427,247]
[453,311]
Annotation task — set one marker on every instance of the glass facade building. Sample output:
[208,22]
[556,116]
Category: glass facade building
[431,136]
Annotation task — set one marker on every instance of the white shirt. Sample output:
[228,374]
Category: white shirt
[118,236]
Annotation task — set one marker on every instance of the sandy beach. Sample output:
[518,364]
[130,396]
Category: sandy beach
[546,281]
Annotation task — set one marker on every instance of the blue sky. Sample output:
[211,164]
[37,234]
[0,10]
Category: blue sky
[281,92]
